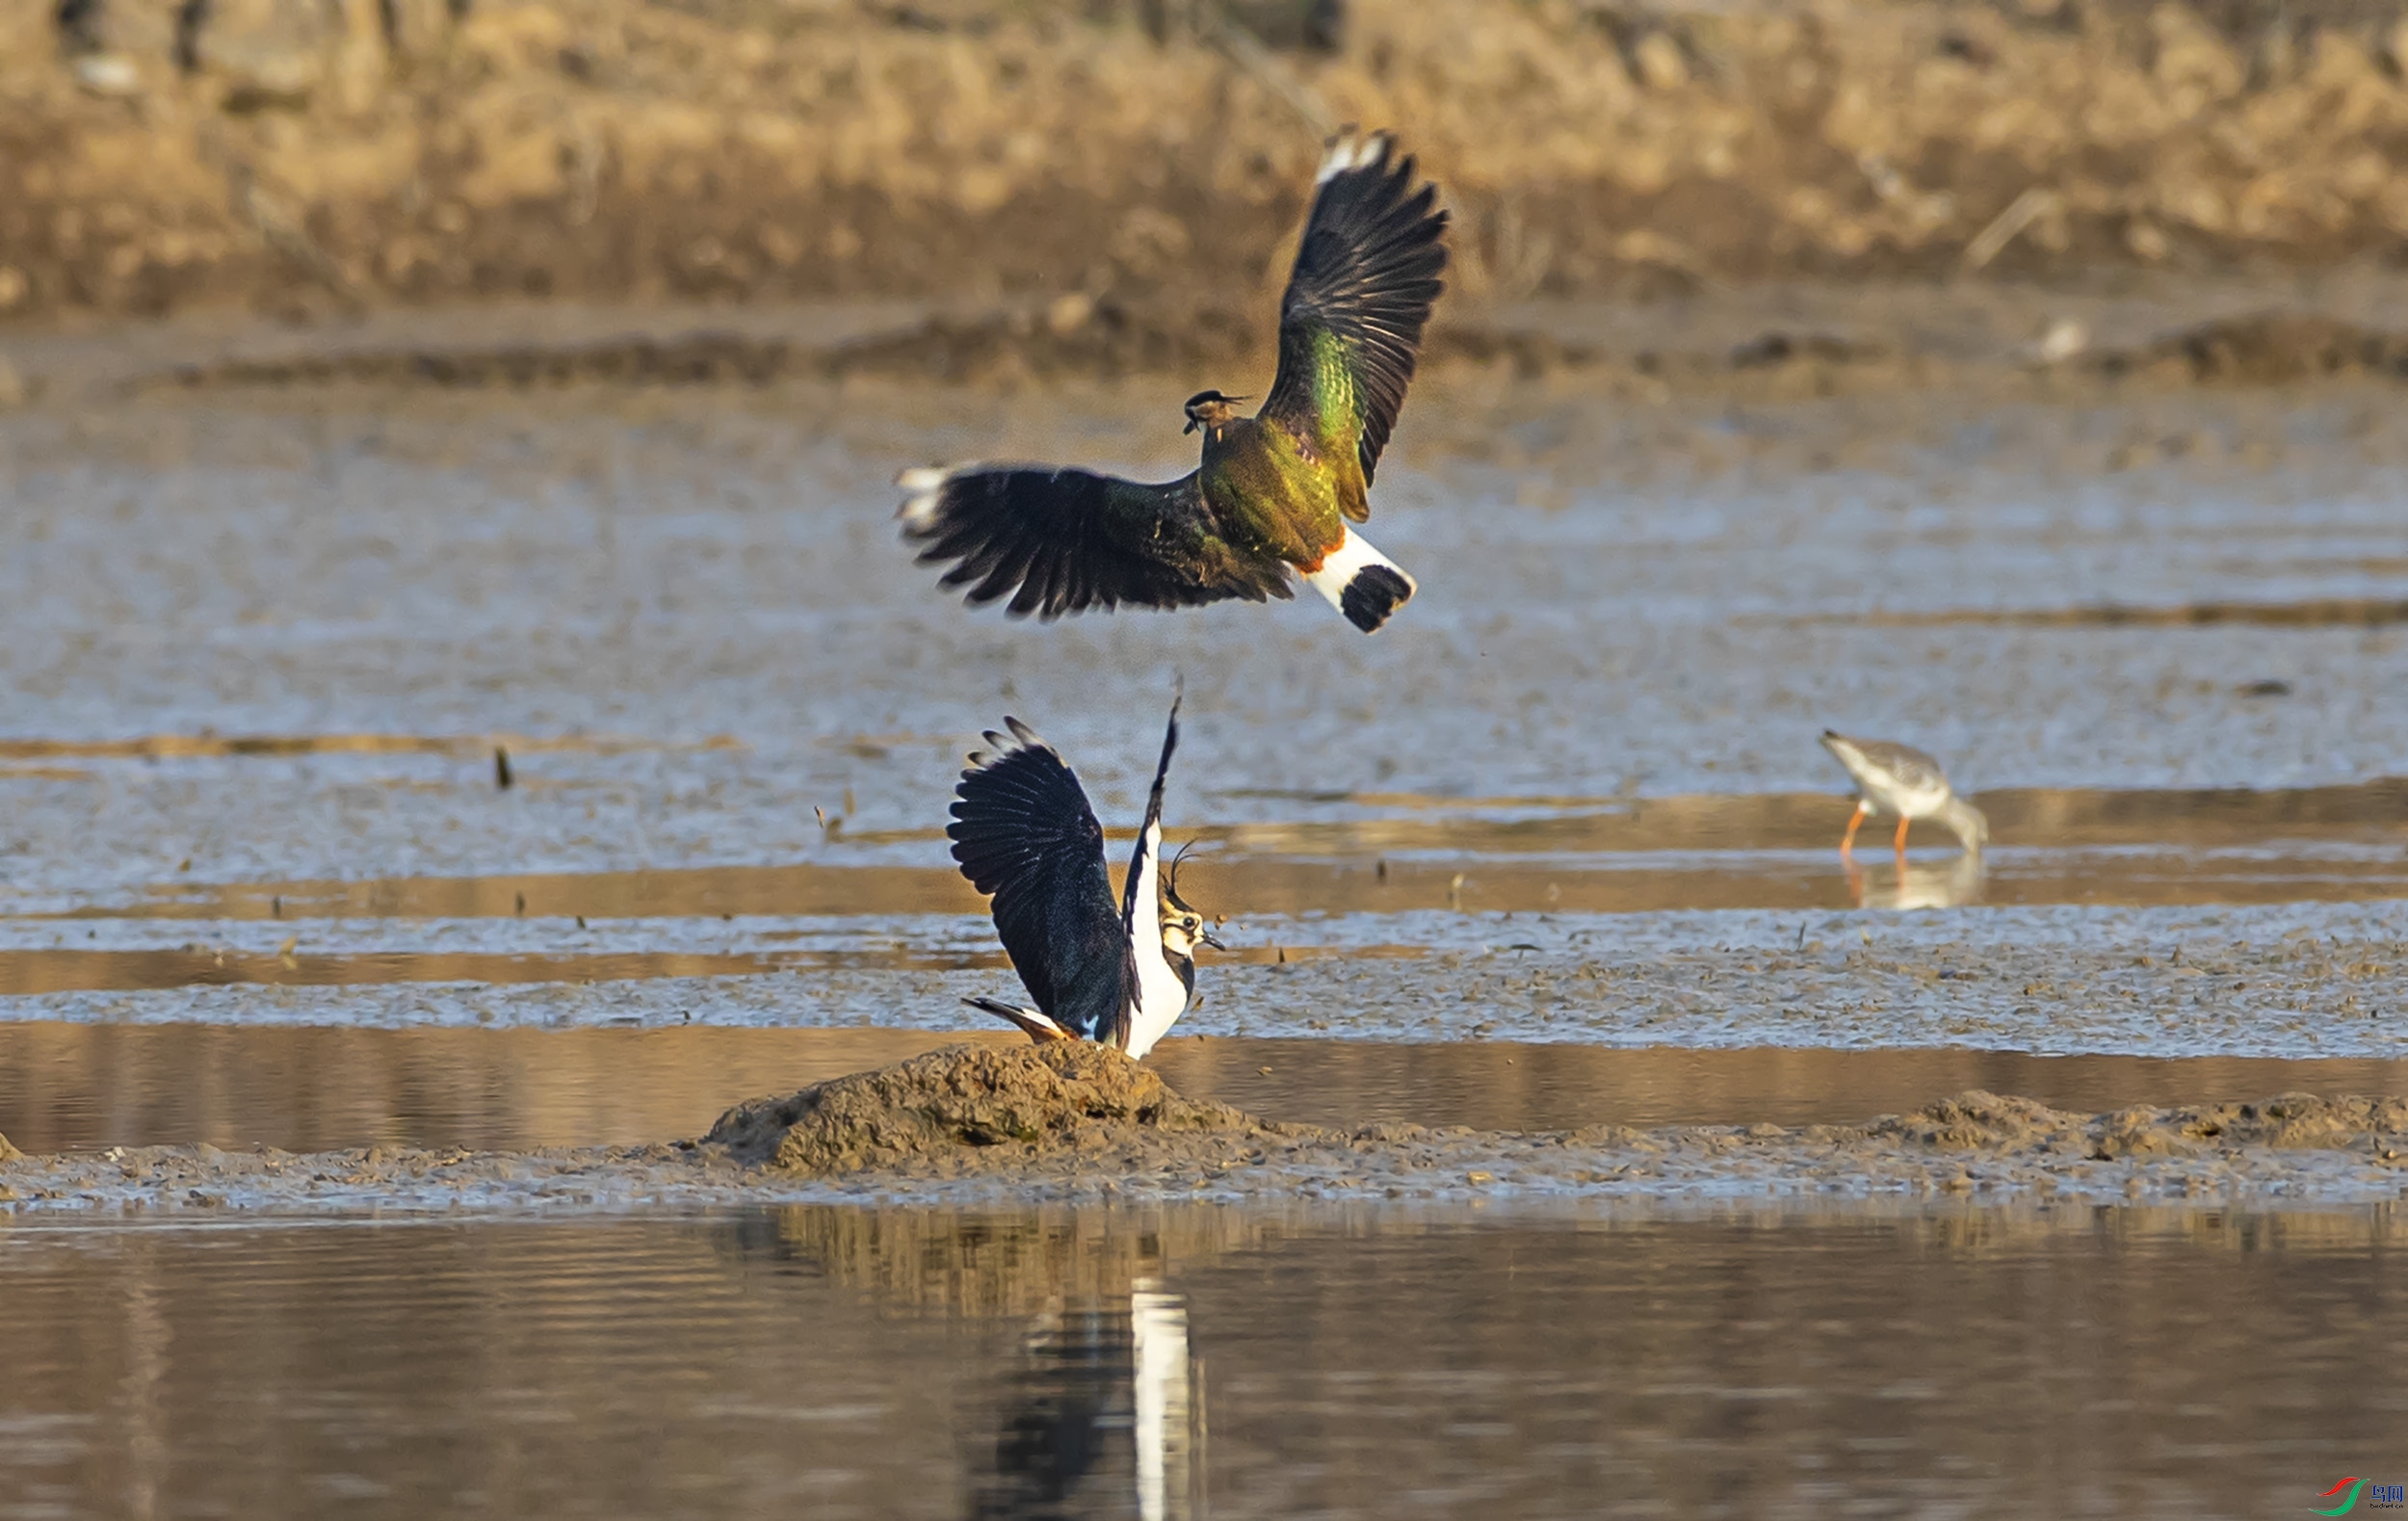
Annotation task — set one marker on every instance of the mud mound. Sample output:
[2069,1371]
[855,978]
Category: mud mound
[1986,1122]
[1975,1120]
[8,1153]
[1063,1097]
[2296,1121]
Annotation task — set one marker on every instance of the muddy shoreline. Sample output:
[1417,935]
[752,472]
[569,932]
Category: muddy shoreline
[331,1087]
[1782,342]
[1079,1124]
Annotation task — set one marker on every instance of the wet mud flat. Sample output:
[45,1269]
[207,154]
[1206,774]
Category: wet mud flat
[85,1088]
[1075,1123]
[265,639]
[2297,980]
[694,599]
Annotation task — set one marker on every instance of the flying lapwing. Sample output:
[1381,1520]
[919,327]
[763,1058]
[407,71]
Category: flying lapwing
[1903,781]
[1276,491]
[1024,833]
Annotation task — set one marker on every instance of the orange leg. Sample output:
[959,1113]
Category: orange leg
[1901,838]
[1847,841]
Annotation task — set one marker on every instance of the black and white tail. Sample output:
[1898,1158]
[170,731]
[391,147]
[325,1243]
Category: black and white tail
[1362,583]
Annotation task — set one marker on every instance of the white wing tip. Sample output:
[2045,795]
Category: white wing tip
[1037,1026]
[926,483]
[1350,151]
[1017,737]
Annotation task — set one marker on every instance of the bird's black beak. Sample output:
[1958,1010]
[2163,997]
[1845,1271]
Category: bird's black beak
[1212,939]
[1193,423]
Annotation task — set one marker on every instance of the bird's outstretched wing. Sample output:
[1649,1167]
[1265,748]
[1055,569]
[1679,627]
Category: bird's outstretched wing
[1023,833]
[1366,278]
[1064,541]
[1139,911]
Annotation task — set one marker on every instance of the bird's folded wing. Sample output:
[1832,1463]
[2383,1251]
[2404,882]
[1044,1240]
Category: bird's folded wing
[1366,277]
[1064,541]
[1910,767]
[1024,833]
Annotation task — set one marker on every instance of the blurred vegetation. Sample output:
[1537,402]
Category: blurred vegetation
[306,154]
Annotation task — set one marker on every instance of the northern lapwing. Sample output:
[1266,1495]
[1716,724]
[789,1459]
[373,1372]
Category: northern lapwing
[1276,491]
[1903,781]
[1023,833]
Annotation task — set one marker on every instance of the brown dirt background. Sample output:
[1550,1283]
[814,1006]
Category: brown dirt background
[308,155]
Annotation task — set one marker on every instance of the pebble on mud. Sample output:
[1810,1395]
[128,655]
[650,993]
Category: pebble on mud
[8,1153]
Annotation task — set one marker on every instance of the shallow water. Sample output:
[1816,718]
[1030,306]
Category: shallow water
[259,653]
[1189,1362]
[1556,849]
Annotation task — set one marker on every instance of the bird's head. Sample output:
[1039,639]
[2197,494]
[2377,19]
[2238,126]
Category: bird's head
[1182,925]
[1210,410]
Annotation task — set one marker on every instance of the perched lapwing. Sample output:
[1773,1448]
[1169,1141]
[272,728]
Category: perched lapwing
[1024,833]
[1276,490]
[1903,781]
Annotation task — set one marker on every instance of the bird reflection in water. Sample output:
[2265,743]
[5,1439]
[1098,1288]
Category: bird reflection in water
[1910,884]
[1087,1376]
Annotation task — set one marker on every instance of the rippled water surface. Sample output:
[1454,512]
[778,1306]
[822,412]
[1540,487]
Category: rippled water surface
[1196,1361]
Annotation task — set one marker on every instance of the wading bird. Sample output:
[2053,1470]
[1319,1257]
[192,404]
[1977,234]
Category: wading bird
[1903,781]
[1024,833]
[1276,490]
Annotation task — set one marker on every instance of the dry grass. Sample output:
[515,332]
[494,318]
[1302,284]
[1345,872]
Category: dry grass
[743,147]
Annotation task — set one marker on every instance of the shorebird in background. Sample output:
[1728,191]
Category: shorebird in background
[1276,491]
[1024,833]
[1903,781]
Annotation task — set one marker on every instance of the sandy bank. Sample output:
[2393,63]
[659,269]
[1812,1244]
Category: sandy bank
[1076,1123]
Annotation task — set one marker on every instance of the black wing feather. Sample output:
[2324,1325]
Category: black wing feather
[1023,833]
[1366,275]
[1065,541]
